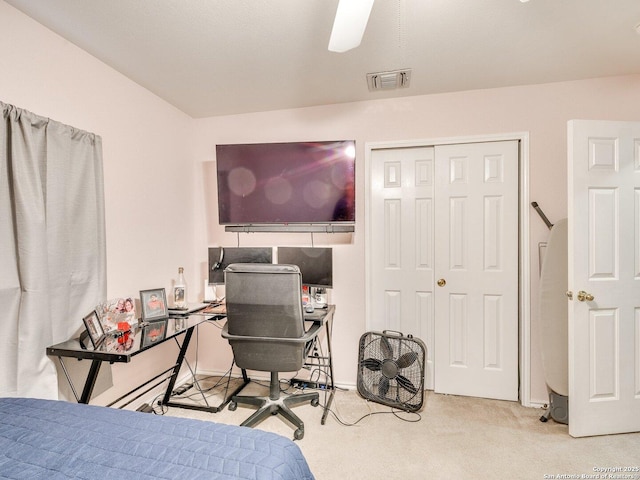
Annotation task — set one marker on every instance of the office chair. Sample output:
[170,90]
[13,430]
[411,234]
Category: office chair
[266,330]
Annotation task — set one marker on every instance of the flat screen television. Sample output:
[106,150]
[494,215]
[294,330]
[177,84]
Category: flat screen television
[221,257]
[316,264]
[283,183]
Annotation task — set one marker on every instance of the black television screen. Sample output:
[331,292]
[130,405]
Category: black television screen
[282,183]
[316,264]
[221,257]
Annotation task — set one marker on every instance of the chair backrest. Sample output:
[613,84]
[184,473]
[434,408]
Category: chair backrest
[264,300]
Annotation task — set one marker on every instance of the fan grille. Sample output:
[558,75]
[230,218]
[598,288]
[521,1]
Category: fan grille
[391,370]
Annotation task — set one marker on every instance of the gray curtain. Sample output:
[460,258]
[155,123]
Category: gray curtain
[52,244]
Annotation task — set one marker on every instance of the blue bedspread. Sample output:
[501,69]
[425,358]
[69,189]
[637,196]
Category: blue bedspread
[45,439]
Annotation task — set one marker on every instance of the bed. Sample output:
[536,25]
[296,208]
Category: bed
[49,439]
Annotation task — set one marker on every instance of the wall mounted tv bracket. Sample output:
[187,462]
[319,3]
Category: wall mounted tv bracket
[297,228]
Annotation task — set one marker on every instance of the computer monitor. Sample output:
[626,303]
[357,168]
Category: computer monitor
[316,264]
[221,257]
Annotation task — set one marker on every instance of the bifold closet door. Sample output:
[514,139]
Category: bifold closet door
[476,265]
[449,213]
[401,245]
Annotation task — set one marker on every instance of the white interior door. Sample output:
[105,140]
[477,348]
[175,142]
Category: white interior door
[409,215]
[401,238]
[476,264]
[604,263]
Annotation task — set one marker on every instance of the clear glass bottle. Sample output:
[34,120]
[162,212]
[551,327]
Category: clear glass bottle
[180,290]
[321,297]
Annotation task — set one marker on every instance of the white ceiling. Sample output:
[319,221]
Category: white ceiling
[219,57]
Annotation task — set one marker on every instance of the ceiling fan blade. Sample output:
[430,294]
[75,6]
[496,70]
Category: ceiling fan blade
[348,27]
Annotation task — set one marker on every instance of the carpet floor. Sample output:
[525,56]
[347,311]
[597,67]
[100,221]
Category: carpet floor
[451,437]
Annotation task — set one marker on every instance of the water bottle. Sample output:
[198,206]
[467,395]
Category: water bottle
[180,290]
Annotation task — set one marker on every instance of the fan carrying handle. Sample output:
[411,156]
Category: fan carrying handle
[397,333]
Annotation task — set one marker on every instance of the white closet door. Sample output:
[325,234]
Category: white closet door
[401,238]
[409,216]
[476,264]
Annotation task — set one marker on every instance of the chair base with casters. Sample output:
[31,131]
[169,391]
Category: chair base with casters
[275,404]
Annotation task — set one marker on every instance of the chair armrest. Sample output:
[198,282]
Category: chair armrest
[308,336]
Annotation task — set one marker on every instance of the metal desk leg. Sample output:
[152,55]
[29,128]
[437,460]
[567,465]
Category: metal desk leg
[66,374]
[91,381]
[176,368]
[327,407]
[205,408]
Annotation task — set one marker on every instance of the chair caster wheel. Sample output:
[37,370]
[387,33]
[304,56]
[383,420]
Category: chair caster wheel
[232,406]
[298,434]
[315,402]
[544,419]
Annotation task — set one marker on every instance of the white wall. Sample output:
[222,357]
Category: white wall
[157,160]
[147,164]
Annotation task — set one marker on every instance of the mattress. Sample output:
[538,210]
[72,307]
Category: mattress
[49,439]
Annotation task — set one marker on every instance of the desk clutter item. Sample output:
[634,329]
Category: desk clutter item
[94,328]
[180,290]
[215,309]
[153,304]
[188,309]
[115,311]
[391,369]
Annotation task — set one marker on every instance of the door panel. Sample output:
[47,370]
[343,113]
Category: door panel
[401,262]
[476,256]
[604,239]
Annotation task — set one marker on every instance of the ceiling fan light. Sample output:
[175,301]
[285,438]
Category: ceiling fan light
[349,25]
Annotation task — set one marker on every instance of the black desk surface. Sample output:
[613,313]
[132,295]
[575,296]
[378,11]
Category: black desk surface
[320,314]
[142,338]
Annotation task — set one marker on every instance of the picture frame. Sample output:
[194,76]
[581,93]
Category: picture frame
[153,332]
[94,328]
[153,304]
[117,310]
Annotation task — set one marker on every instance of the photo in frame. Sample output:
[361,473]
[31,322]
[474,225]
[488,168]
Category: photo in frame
[153,304]
[94,328]
[115,311]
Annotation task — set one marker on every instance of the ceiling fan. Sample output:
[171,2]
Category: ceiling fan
[348,26]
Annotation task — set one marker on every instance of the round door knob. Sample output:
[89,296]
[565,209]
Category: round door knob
[584,296]
[442,282]
[569,294]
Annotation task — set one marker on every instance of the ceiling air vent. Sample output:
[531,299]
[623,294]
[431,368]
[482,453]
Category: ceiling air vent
[388,80]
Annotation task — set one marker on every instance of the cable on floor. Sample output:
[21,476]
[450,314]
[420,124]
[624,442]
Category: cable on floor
[392,411]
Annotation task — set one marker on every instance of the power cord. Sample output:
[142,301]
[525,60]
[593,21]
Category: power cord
[395,412]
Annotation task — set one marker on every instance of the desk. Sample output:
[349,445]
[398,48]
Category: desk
[113,352]
[141,339]
[325,317]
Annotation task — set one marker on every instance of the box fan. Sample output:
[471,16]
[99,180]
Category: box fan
[391,369]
